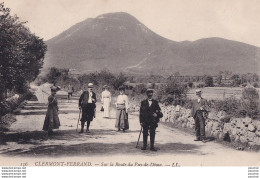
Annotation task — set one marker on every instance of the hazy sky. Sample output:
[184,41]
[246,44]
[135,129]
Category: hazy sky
[177,20]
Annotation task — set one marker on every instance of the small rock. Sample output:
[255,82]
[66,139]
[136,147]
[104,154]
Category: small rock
[243,139]
[237,138]
[213,115]
[257,133]
[246,120]
[250,136]
[227,127]
[251,128]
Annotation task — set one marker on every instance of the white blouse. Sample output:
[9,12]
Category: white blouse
[122,99]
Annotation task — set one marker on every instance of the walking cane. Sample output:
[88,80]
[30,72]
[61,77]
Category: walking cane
[139,136]
[78,121]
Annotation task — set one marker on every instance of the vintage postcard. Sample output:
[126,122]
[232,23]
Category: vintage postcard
[169,83]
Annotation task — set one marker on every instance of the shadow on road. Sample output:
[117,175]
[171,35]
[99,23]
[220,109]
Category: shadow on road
[74,146]
[44,112]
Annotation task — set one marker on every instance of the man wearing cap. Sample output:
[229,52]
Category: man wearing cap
[199,112]
[150,114]
[87,104]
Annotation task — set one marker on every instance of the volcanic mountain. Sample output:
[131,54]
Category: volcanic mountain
[119,42]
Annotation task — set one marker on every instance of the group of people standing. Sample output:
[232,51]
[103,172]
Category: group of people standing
[87,107]
[149,117]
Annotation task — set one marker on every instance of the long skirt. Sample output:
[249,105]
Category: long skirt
[88,112]
[106,107]
[51,119]
[122,119]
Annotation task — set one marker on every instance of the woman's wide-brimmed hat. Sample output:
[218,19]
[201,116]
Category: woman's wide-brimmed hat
[105,86]
[54,88]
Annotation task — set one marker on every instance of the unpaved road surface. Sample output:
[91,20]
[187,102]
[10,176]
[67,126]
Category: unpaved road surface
[27,143]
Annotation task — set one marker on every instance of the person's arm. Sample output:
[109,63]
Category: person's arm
[202,105]
[50,100]
[80,100]
[126,104]
[159,113]
[94,97]
[141,114]
[110,98]
[192,109]
[102,97]
[57,104]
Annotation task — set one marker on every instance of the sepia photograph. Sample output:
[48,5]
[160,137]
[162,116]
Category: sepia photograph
[93,83]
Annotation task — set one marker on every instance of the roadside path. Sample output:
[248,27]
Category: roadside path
[27,141]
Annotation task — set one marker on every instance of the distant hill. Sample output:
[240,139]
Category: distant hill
[119,42]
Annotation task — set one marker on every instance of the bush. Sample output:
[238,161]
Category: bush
[201,85]
[209,81]
[256,85]
[237,108]
[175,92]
[229,105]
[190,84]
[250,94]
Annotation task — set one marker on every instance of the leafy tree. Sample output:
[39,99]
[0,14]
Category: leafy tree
[236,80]
[119,80]
[209,81]
[21,53]
[175,92]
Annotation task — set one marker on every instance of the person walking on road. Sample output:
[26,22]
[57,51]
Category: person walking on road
[150,114]
[122,105]
[52,120]
[199,113]
[70,92]
[106,100]
[87,103]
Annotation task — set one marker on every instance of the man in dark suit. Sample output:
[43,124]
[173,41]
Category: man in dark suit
[150,114]
[199,113]
[87,103]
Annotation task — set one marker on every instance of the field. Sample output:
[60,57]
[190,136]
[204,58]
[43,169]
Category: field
[218,93]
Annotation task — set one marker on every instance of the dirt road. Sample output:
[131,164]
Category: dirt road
[27,143]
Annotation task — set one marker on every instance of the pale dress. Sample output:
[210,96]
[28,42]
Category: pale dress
[106,100]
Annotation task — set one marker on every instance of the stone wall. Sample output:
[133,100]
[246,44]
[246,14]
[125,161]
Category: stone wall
[218,125]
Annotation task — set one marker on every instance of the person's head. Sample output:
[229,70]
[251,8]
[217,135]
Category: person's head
[90,87]
[149,93]
[198,93]
[54,89]
[121,90]
[106,87]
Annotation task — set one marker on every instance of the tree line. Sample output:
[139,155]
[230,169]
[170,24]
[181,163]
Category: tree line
[21,54]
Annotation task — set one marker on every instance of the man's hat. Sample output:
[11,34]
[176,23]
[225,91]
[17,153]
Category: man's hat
[121,88]
[90,85]
[198,91]
[149,90]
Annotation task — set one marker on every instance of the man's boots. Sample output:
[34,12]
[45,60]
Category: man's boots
[145,135]
[82,127]
[152,138]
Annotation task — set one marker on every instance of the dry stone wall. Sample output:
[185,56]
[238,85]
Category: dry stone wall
[218,125]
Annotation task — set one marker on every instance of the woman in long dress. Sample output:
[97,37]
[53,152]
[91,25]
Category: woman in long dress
[122,105]
[52,120]
[106,100]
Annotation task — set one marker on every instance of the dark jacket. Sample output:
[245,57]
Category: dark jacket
[146,112]
[196,106]
[83,100]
